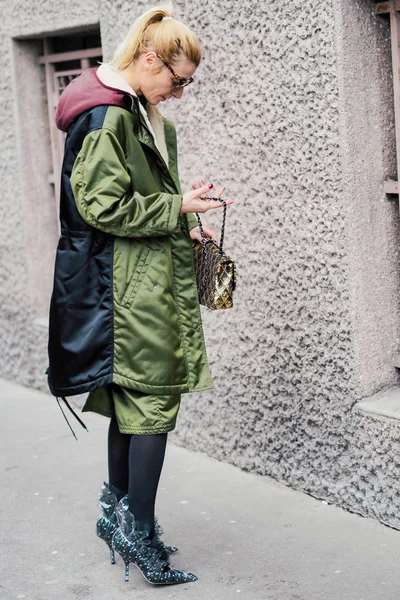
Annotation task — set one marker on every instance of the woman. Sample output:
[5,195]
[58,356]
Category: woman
[125,323]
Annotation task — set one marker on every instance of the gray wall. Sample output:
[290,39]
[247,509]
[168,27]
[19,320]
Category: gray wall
[292,110]
[299,107]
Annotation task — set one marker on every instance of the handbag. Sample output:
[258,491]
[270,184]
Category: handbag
[215,271]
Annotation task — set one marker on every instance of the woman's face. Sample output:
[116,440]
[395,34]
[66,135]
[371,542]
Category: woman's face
[158,82]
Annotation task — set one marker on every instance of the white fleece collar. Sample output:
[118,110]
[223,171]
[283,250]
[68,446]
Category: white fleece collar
[152,116]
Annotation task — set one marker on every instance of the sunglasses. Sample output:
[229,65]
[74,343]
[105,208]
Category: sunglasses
[180,82]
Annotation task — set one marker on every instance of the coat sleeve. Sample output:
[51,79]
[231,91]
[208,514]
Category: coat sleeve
[102,188]
[192,221]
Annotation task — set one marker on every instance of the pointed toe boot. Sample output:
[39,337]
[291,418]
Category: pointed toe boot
[139,543]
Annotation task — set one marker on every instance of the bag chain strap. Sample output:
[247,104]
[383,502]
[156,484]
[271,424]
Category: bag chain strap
[204,240]
[203,237]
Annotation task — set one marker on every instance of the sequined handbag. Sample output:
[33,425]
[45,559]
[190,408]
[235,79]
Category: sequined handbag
[215,271]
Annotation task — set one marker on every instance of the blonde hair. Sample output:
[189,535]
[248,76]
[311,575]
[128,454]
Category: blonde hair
[167,37]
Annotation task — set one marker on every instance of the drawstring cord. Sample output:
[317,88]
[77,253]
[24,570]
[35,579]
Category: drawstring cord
[73,412]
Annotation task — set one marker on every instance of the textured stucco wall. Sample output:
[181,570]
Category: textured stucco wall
[292,110]
[300,126]
[283,359]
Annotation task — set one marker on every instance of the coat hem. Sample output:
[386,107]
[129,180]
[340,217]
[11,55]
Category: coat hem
[147,431]
[83,388]
[130,430]
[128,382]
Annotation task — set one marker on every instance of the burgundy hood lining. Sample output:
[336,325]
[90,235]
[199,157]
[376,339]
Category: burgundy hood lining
[86,92]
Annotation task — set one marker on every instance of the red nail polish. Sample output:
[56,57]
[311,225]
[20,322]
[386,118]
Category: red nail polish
[210,185]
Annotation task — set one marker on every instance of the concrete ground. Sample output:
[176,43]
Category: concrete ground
[245,536]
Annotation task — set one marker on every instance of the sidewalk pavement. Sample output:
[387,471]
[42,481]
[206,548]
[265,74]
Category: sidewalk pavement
[245,536]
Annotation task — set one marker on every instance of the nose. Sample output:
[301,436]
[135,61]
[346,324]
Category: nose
[177,93]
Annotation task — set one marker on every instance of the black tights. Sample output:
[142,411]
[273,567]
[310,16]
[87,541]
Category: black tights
[134,467]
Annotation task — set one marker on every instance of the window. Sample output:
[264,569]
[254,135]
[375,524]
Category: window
[64,58]
[42,68]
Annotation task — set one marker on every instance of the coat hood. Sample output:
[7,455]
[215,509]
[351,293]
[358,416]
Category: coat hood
[104,85]
[85,92]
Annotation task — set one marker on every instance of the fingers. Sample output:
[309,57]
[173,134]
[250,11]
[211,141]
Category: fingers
[211,204]
[200,198]
[220,191]
[195,234]
[200,183]
[202,191]
[218,204]
[209,233]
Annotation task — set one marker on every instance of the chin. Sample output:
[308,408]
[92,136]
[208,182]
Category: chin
[154,100]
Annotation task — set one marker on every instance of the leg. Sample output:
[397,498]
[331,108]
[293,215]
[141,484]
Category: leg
[136,540]
[146,458]
[118,459]
[117,488]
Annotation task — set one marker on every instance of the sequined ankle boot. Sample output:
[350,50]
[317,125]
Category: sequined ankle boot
[156,538]
[107,523]
[137,543]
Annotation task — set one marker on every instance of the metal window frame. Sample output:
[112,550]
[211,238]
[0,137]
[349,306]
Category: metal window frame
[57,137]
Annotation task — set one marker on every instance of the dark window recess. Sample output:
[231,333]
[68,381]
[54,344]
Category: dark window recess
[64,58]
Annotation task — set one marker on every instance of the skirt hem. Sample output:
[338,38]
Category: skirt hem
[127,430]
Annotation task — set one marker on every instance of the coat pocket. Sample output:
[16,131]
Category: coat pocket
[139,274]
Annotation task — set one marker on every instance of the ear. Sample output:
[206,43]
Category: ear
[150,59]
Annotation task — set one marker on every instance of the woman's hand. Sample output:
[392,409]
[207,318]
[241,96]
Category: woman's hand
[192,201]
[195,232]
[196,235]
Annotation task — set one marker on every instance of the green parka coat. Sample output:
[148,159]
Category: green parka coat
[125,307]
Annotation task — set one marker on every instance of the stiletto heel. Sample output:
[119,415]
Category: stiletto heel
[137,543]
[107,523]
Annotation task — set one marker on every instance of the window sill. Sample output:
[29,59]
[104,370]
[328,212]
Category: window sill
[384,404]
